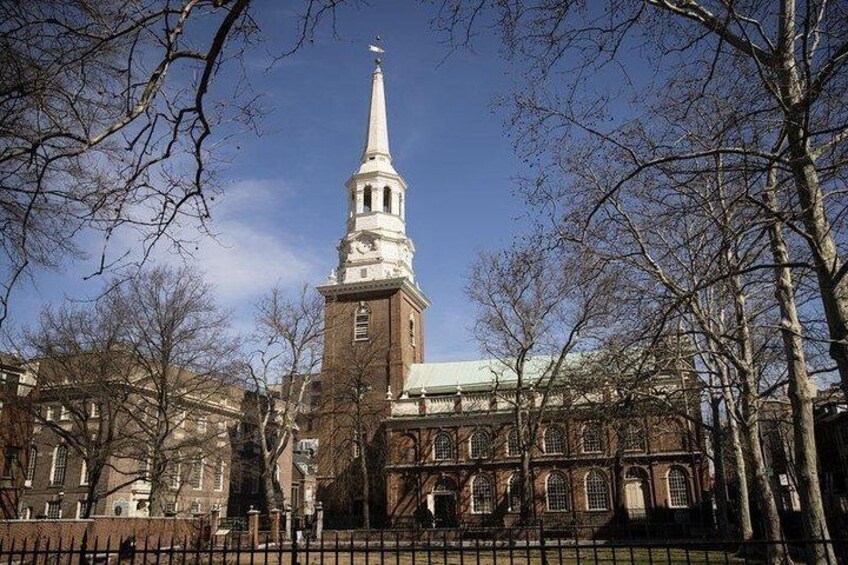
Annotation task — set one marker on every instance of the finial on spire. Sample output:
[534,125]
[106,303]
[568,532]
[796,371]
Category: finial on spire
[377,49]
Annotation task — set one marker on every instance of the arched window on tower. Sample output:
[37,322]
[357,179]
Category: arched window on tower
[360,323]
[412,330]
[387,200]
[366,199]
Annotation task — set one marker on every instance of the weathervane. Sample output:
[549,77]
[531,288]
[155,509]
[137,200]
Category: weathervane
[377,49]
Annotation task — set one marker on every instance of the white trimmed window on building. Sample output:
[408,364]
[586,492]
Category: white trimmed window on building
[482,495]
[554,441]
[360,323]
[678,488]
[60,465]
[443,447]
[593,438]
[556,492]
[480,445]
[597,495]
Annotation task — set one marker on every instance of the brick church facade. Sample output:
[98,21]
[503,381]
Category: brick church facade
[430,442]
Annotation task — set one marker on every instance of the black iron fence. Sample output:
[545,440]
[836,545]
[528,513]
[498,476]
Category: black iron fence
[390,549]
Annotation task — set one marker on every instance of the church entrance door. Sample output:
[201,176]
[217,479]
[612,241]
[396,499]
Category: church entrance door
[445,509]
[636,494]
[444,503]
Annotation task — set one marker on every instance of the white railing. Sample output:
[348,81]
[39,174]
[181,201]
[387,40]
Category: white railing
[441,405]
[405,407]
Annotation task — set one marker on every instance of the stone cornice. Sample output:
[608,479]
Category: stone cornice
[400,283]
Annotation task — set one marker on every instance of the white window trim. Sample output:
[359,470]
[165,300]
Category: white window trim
[583,440]
[200,481]
[606,507]
[357,335]
[47,509]
[83,473]
[474,509]
[668,488]
[52,475]
[545,440]
[548,490]
[470,444]
[79,508]
[453,447]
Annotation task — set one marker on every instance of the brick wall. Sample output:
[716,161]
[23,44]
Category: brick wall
[100,531]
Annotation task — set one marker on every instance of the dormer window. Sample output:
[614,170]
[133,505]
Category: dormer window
[360,323]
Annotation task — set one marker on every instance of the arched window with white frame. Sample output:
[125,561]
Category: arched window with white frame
[480,445]
[678,488]
[60,465]
[597,492]
[593,441]
[556,492]
[554,441]
[482,495]
[443,447]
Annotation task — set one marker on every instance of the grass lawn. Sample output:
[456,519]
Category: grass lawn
[519,556]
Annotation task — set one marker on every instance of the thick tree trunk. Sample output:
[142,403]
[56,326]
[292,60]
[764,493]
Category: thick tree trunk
[833,287]
[740,465]
[801,393]
[750,405]
[720,490]
[271,499]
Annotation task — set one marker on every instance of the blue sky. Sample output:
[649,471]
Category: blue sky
[283,210]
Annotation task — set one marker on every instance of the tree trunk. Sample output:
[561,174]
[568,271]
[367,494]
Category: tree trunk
[366,482]
[801,393]
[750,405]
[833,287]
[720,491]
[271,498]
[526,486]
[740,465]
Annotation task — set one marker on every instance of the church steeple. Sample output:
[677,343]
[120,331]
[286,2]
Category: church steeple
[375,246]
[377,136]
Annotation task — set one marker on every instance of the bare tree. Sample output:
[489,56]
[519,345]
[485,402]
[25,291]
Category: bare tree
[108,115]
[536,308]
[356,410]
[782,64]
[83,400]
[289,336]
[184,369]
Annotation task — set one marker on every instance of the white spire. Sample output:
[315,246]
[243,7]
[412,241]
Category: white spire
[377,136]
[375,246]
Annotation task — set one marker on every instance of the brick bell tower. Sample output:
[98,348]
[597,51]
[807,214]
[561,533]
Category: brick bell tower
[373,307]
